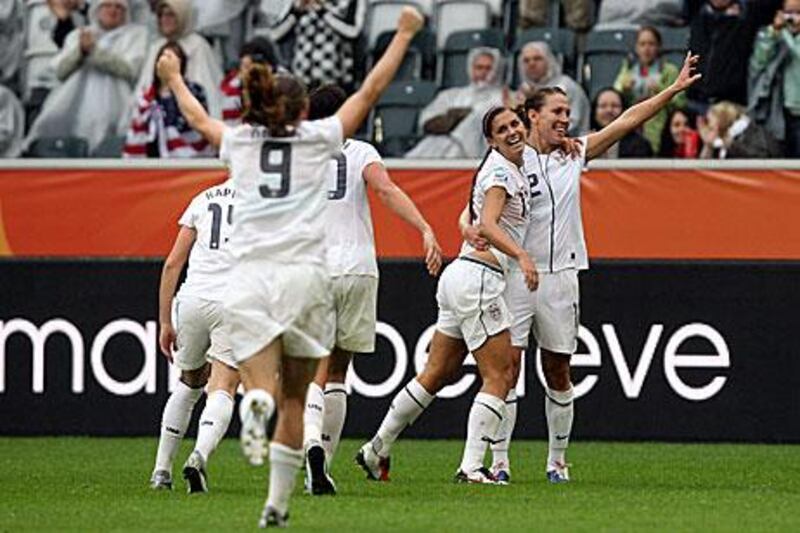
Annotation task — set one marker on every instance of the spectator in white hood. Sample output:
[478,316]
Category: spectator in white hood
[98,67]
[452,122]
[202,67]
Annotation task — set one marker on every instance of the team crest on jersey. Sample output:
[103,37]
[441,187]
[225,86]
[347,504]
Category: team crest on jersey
[494,312]
[500,174]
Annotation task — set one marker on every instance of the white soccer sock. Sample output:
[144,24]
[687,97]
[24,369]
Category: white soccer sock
[214,422]
[333,421]
[174,421]
[500,449]
[559,410]
[260,397]
[406,406]
[312,416]
[284,462]
[485,417]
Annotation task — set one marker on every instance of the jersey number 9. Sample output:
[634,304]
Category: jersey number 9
[276,162]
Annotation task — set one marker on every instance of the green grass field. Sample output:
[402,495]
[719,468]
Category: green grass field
[83,484]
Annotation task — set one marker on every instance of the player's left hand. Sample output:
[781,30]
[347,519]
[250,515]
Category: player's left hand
[433,253]
[687,76]
[168,66]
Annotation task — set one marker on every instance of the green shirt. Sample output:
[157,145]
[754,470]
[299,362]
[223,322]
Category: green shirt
[767,45]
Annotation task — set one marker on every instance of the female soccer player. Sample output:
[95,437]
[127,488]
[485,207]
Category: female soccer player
[555,242]
[192,333]
[473,316]
[278,303]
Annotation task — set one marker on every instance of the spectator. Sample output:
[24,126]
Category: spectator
[12,123]
[69,14]
[224,23]
[175,24]
[775,77]
[452,122]
[538,68]
[158,129]
[728,133]
[722,34]
[98,65]
[325,32]
[678,139]
[646,77]
[606,107]
[12,40]
[258,50]
[626,14]
[534,13]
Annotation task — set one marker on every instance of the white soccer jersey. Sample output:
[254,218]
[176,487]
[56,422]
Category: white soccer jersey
[210,215]
[348,223]
[497,171]
[555,235]
[281,190]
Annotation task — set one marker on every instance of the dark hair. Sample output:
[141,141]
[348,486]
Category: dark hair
[667,147]
[273,101]
[325,101]
[472,214]
[261,50]
[539,97]
[593,124]
[488,119]
[176,48]
[651,29]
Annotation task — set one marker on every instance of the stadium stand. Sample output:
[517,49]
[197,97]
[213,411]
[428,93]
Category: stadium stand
[393,122]
[604,53]
[59,147]
[420,60]
[455,15]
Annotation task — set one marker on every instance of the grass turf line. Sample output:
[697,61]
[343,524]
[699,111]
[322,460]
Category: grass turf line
[83,484]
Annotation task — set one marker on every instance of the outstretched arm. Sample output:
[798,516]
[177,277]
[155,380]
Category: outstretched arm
[398,201]
[170,275]
[355,109]
[598,143]
[169,70]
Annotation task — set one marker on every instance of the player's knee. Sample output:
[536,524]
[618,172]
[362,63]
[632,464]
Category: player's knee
[196,378]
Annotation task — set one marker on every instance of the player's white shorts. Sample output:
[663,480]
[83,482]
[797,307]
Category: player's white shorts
[265,300]
[355,299]
[551,312]
[471,305]
[201,335]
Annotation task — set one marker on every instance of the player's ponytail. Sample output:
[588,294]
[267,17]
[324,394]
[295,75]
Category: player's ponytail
[472,214]
[272,101]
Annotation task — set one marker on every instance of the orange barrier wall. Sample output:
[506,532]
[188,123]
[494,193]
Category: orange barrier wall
[628,213]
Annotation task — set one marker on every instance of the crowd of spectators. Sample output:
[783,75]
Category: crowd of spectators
[99,82]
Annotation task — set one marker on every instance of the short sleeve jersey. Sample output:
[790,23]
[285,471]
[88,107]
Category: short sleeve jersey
[348,223]
[209,214]
[497,171]
[281,190]
[555,238]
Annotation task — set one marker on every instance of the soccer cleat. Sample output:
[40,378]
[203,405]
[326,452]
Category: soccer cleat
[376,467]
[480,475]
[558,473]
[270,517]
[501,473]
[253,436]
[318,482]
[161,480]
[194,472]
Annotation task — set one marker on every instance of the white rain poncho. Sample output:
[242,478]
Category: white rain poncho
[202,64]
[12,38]
[93,99]
[466,139]
[580,109]
[631,14]
[12,124]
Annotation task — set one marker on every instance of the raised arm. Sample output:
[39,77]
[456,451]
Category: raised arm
[598,143]
[490,229]
[169,71]
[355,109]
[398,201]
[170,274]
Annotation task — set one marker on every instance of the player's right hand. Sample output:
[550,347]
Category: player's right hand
[433,253]
[410,21]
[472,235]
[168,65]
[529,271]
[167,341]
